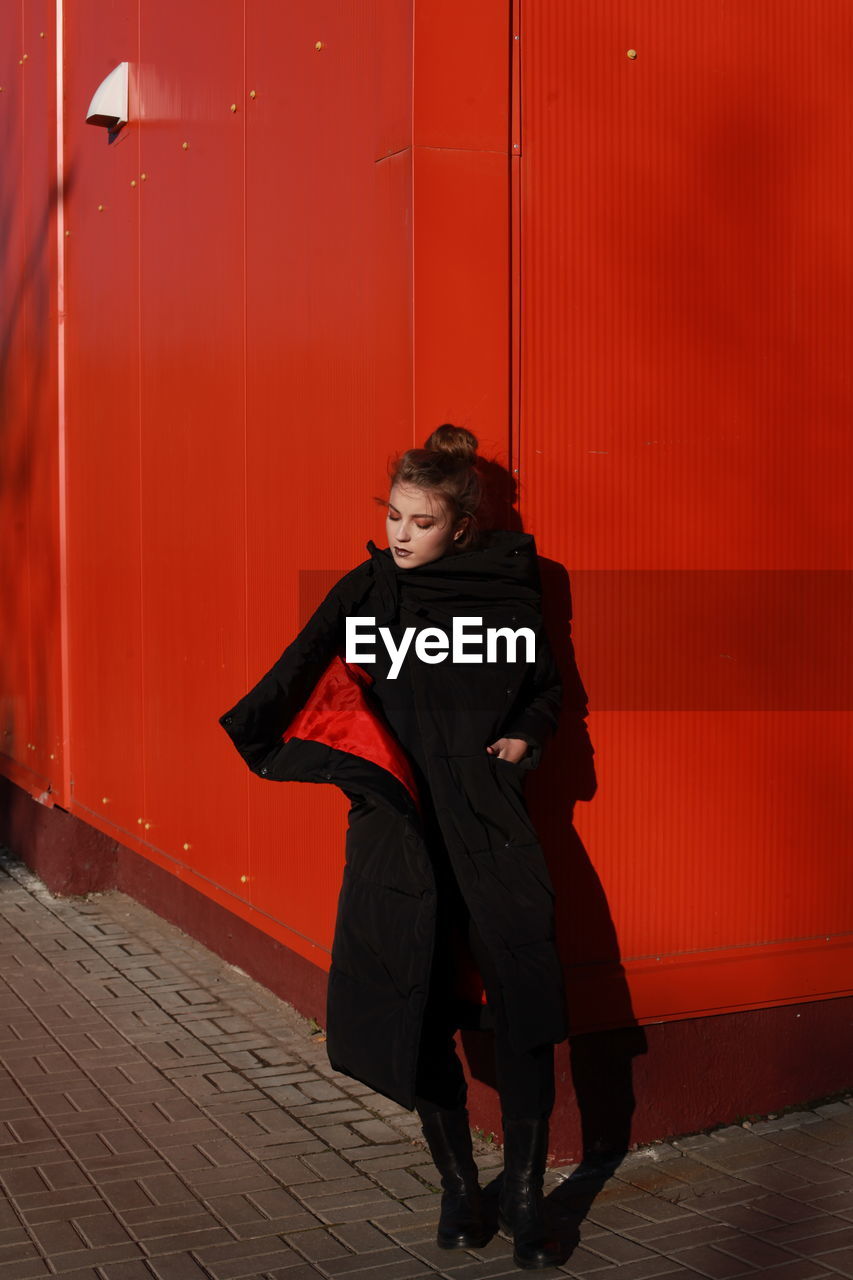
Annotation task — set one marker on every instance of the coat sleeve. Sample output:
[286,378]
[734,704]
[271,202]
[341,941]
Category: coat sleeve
[536,711]
[256,722]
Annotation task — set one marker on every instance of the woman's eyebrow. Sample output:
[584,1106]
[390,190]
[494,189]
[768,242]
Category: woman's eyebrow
[419,515]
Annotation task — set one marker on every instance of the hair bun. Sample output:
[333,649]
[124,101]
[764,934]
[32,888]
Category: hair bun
[456,441]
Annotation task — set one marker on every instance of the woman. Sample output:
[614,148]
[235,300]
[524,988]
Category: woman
[430,744]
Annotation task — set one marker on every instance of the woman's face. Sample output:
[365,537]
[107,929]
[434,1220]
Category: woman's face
[417,525]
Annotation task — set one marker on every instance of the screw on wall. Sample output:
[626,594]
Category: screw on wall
[143,176]
[185,146]
[252,93]
[187,845]
[318,45]
[632,53]
[233,106]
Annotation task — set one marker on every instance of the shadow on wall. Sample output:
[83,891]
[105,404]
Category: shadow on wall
[600,1060]
[29,568]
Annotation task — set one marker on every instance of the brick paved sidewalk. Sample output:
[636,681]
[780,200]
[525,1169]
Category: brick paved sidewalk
[165,1116]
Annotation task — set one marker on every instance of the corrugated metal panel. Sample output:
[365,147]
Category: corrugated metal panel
[103,429]
[31,729]
[461,183]
[191,209]
[240,336]
[38,192]
[685,452]
[329,382]
[16,722]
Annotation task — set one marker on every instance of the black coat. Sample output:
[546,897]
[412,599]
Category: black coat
[312,718]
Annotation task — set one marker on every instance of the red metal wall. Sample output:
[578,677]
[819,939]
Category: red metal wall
[239,342]
[239,269]
[630,277]
[687,296]
[31,692]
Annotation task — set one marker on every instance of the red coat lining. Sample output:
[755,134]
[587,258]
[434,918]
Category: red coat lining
[337,715]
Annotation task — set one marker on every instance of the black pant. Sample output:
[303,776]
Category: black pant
[525,1080]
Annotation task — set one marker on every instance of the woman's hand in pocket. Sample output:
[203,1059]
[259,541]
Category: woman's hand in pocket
[512,749]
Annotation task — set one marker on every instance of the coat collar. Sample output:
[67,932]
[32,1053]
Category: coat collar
[338,712]
[503,569]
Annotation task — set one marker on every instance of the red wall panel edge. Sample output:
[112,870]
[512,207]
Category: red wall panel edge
[732,981]
[35,785]
[239,908]
[637,993]
[64,793]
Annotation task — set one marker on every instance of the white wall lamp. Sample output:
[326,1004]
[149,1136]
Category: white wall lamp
[108,107]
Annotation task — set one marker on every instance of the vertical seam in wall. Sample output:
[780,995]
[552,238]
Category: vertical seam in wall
[246,419]
[61,418]
[139,385]
[20,320]
[245,357]
[515,162]
[513,264]
[24,314]
[413,309]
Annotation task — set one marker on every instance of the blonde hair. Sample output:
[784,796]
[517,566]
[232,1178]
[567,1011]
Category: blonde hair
[447,466]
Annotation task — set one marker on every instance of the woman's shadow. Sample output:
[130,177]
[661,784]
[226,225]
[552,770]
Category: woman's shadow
[604,1033]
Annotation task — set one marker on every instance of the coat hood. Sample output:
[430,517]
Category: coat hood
[504,569]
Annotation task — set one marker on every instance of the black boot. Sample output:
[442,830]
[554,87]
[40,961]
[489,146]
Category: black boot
[521,1207]
[461,1223]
